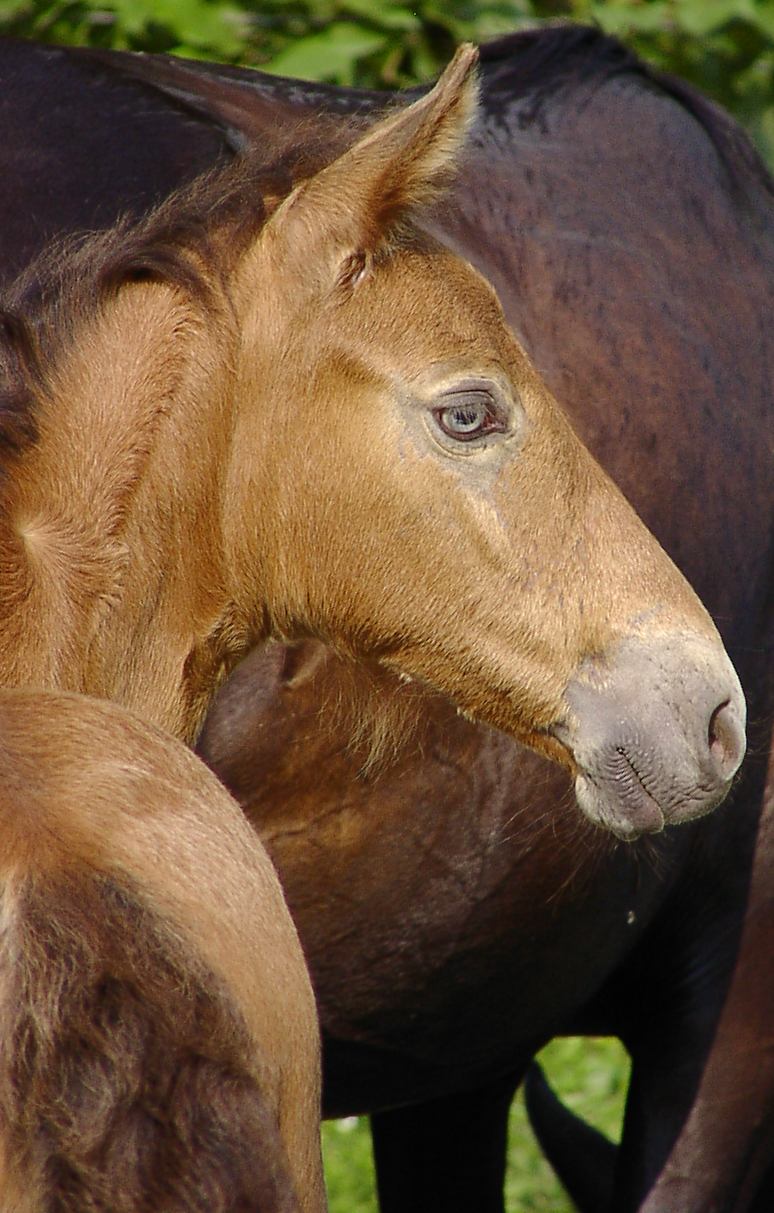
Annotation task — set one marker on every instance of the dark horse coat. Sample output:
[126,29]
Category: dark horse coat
[456,910]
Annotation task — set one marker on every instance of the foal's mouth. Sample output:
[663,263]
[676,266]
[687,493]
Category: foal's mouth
[613,791]
[637,810]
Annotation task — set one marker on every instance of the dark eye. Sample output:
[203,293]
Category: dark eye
[469,415]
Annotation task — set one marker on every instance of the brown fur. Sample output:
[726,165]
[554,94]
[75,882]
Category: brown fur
[139,1069]
[129,1083]
[167,280]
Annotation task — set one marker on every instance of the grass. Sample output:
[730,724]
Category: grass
[589,1074]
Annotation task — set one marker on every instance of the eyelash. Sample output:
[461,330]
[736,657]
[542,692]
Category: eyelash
[480,403]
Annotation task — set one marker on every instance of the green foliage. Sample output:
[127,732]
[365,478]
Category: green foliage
[193,27]
[407,43]
[349,1167]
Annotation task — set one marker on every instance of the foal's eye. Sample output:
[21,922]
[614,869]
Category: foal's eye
[469,415]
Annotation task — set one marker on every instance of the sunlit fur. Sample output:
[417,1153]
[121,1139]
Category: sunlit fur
[124,359]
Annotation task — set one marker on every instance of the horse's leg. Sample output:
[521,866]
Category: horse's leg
[598,1176]
[693,1007]
[447,1155]
[583,1158]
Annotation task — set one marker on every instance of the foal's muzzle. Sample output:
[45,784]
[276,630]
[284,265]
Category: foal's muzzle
[657,732]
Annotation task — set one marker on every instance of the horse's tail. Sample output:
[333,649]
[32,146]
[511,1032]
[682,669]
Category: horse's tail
[583,1158]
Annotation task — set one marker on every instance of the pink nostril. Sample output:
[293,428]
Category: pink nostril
[726,740]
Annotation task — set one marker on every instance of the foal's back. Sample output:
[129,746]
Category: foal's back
[136,1073]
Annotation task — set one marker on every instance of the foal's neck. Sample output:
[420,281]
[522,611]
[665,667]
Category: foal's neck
[115,581]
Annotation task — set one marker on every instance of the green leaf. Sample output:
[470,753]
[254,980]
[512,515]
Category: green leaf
[625,19]
[200,23]
[384,14]
[702,17]
[471,22]
[762,18]
[329,55]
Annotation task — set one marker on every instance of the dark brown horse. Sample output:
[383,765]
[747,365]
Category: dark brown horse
[612,211]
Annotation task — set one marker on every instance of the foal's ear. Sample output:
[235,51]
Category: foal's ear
[352,206]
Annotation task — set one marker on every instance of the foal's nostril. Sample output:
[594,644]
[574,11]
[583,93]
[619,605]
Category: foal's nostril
[726,738]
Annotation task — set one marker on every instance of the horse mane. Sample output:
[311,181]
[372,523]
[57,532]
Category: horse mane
[537,65]
[191,241]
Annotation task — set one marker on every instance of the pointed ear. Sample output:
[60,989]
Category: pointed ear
[351,207]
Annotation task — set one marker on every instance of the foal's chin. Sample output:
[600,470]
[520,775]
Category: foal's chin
[656,733]
[626,808]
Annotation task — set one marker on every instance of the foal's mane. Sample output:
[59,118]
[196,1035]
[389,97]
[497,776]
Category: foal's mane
[538,65]
[191,241]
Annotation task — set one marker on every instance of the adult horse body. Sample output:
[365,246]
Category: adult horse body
[517,926]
